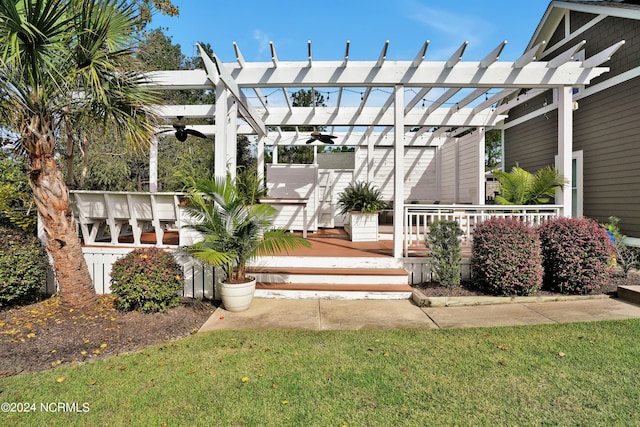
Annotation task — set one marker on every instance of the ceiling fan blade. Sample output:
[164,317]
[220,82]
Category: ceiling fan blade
[327,139]
[309,141]
[196,133]
[164,131]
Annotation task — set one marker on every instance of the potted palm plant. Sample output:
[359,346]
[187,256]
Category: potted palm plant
[361,201]
[234,230]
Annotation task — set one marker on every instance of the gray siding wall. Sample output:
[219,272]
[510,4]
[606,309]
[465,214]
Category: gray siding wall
[606,129]
[533,144]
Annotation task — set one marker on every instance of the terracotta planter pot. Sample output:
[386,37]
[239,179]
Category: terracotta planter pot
[237,296]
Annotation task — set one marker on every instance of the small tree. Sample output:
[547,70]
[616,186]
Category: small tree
[53,51]
[444,242]
[493,149]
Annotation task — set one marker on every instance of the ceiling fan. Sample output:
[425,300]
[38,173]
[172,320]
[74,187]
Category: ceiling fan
[181,131]
[318,136]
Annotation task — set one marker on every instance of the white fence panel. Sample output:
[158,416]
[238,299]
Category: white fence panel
[199,279]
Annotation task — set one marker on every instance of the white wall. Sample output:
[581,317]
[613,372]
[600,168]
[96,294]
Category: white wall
[468,169]
[419,168]
[298,182]
[459,170]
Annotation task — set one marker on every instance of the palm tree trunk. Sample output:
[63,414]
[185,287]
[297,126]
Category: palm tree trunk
[52,200]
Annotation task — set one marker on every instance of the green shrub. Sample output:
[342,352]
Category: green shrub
[23,267]
[576,254]
[146,279]
[506,257]
[444,242]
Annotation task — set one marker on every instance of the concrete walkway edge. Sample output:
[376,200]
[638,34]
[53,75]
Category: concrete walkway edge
[327,314]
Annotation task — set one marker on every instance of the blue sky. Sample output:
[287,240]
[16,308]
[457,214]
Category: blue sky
[407,24]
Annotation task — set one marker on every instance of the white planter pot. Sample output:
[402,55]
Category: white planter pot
[237,296]
[363,227]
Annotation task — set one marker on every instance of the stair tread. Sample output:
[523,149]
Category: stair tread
[334,287]
[330,271]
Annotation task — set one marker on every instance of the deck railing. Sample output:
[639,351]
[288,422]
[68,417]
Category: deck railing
[418,219]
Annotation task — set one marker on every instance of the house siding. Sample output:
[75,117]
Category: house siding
[578,19]
[604,34]
[558,34]
[533,144]
[606,128]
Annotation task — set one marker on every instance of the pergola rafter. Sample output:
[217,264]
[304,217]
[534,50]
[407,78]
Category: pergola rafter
[465,95]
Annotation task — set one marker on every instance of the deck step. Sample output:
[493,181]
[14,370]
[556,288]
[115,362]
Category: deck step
[333,276]
[336,261]
[629,293]
[360,287]
[332,291]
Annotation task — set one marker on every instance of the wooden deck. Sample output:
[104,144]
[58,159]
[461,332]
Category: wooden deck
[334,242]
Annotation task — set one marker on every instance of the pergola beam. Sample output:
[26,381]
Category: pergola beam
[436,74]
[346,116]
[493,56]
[355,116]
[421,54]
[457,56]
[216,70]
[292,138]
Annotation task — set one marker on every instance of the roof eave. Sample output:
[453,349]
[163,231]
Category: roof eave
[555,12]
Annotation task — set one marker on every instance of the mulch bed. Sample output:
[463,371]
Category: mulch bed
[44,335]
[467,289]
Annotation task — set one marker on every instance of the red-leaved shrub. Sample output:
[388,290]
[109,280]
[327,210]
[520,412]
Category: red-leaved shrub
[146,279]
[576,255]
[506,257]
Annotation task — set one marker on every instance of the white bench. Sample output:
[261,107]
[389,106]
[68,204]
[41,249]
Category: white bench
[90,210]
[96,211]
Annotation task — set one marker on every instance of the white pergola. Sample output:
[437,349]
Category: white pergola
[380,102]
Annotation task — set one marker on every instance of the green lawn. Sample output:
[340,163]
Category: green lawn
[576,374]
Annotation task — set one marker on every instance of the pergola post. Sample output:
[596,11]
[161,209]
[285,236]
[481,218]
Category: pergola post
[220,144]
[398,176]
[153,164]
[232,140]
[565,146]
[260,160]
[482,186]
